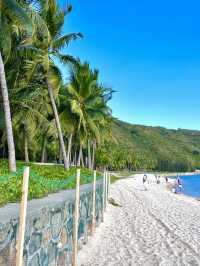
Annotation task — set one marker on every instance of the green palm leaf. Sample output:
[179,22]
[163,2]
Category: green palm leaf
[63,41]
[13,10]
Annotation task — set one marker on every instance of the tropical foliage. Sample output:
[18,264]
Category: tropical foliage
[51,120]
[43,180]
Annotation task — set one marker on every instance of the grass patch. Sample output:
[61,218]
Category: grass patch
[44,179]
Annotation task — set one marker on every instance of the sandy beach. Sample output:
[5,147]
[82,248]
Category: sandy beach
[154,227]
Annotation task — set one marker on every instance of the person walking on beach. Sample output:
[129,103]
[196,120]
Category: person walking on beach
[166,179]
[179,184]
[145,182]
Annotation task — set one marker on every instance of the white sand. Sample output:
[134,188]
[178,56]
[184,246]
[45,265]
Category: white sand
[154,227]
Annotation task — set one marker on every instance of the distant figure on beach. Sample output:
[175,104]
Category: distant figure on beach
[179,184]
[166,179]
[178,181]
[145,181]
[158,179]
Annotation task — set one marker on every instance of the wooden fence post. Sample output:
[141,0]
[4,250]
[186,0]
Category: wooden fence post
[22,218]
[109,184]
[106,189]
[76,218]
[103,197]
[94,203]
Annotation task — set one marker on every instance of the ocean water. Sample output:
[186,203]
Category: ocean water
[191,185]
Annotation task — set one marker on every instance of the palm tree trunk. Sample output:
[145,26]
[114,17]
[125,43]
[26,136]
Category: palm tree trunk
[82,161]
[60,135]
[60,156]
[44,150]
[75,157]
[69,148]
[26,155]
[89,155]
[79,156]
[70,157]
[8,122]
[93,153]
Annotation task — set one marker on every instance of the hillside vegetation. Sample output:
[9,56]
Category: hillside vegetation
[143,147]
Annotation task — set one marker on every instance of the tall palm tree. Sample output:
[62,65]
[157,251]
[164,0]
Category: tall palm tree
[50,49]
[88,102]
[45,48]
[11,14]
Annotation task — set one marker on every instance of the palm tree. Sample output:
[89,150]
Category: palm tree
[11,14]
[37,55]
[49,51]
[30,110]
[88,101]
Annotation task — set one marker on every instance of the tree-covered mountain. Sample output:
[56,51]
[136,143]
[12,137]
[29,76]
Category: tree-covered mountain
[144,147]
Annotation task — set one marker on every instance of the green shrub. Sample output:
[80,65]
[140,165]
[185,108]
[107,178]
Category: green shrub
[43,180]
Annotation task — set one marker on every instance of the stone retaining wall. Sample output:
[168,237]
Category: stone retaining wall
[49,227]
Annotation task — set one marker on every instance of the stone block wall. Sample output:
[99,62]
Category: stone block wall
[49,228]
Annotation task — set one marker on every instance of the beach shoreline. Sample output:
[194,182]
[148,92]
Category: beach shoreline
[171,184]
[154,227]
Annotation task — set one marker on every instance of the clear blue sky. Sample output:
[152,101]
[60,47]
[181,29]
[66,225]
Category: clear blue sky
[148,51]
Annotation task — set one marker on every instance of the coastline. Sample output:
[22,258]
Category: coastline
[169,187]
[172,182]
[154,227]
[184,174]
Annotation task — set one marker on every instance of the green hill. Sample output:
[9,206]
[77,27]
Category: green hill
[157,148]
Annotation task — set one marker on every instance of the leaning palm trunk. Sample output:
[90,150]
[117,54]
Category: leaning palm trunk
[44,150]
[60,135]
[60,156]
[8,122]
[69,148]
[26,155]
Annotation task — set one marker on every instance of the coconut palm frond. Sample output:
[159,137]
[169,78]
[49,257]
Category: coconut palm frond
[63,41]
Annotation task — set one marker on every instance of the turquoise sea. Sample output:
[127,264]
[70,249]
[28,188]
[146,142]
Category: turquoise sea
[191,185]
